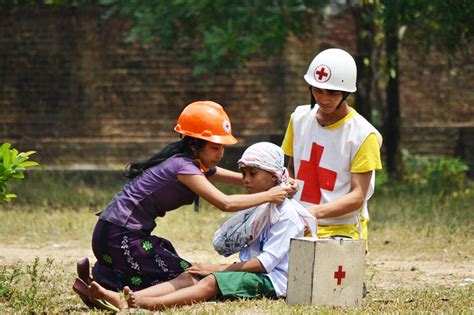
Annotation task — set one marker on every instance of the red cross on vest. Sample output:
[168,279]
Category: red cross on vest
[339,275]
[315,177]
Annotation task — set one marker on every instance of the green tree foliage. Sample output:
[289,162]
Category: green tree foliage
[383,25]
[12,165]
[222,33]
[60,2]
[447,25]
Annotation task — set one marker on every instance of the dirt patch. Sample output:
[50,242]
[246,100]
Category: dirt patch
[390,274]
[382,272]
[65,253]
[70,253]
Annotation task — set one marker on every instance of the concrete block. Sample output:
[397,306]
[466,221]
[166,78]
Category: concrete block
[326,272]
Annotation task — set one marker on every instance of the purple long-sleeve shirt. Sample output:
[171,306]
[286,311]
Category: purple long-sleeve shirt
[152,194]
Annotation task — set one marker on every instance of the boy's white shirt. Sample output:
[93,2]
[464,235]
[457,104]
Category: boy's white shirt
[272,247]
[340,144]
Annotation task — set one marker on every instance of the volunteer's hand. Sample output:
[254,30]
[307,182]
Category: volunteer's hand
[204,269]
[294,187]
[314,210]
[278,194]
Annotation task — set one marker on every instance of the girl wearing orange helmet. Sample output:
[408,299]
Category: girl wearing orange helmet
[127,254]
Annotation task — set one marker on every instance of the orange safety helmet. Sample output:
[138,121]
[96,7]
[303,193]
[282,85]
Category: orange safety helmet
[206,120]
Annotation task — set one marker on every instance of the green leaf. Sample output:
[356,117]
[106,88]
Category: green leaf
[29,153]
[393,73]
[14,154]
[29,163]
[366,61]
[5,146]
[7,159]
[8,197]
[12,165]
[19,175]
[20,158]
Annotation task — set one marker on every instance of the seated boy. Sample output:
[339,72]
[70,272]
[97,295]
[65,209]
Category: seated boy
[263,270]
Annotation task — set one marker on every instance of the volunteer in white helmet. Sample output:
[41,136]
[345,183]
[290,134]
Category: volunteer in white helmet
[333,150]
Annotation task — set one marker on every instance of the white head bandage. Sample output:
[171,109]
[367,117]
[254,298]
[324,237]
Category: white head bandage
[268,157]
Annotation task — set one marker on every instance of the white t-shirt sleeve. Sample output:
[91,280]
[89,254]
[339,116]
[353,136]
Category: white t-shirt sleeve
[277,244]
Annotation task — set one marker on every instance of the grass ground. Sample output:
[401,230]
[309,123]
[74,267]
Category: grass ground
[420,259]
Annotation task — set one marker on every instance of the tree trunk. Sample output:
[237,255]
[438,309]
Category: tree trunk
[363,13]
[392,119]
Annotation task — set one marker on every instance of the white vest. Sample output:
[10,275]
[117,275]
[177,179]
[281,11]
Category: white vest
[335,148]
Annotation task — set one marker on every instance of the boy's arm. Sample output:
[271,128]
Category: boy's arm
[252,265]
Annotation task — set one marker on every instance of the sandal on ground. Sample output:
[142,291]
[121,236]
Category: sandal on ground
[82,289]
[83,272]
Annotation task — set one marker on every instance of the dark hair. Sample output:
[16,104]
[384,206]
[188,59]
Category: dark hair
[184,146]
[313,100]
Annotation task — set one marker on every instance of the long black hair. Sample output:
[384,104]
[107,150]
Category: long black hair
[184,146]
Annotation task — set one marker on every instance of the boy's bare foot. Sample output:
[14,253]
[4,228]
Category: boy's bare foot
[97,291]
[134,300]
[126,293]
[131,297]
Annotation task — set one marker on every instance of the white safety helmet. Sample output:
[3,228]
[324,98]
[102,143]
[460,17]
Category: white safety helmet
[332,69]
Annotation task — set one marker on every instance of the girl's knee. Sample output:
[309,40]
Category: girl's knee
[184,275]
[186,279]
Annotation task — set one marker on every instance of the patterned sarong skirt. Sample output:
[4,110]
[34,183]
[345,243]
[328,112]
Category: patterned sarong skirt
[130,258]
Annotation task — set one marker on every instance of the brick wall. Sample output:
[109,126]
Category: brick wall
[71,89]
[437,102]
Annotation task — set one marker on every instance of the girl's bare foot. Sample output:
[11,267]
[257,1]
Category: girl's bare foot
[97,291]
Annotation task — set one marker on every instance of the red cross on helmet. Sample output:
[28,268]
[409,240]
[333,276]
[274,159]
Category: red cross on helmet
[206,120]
[332,69]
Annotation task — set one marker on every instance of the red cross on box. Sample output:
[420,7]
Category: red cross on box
[339,275]
[315,177]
